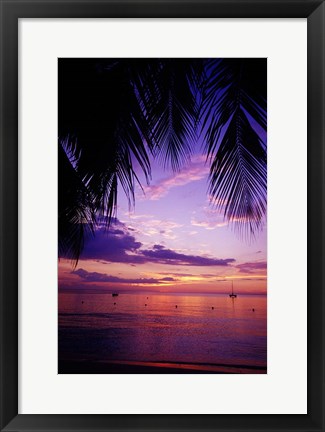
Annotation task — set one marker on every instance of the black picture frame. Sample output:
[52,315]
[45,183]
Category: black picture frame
[11,12]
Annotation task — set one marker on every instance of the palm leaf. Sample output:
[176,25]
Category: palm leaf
[238,175]
[100,115]
[234,104]
[167,95]
[114,114]
[76,216]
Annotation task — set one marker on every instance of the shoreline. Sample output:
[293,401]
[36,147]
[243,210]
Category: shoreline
[68,366]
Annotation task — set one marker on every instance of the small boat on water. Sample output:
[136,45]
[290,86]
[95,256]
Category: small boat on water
[232,295]
[114,294]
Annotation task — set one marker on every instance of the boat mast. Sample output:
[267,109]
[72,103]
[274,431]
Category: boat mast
[232,287]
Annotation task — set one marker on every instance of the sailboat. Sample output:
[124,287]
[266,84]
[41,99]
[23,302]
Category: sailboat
[232,295]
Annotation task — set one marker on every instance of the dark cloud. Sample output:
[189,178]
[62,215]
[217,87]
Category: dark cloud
[116,244]
[102,277]
[251,267]
[168,256]
[158,247]
[112,245]
[118,232]
[177,274]
[254,279]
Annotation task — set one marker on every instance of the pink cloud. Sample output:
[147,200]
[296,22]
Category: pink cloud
[212,218]
[153,227]
[195,171]
[103,277]
[251,267]
[209,225]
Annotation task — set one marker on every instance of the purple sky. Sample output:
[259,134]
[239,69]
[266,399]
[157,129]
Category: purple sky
[173,240]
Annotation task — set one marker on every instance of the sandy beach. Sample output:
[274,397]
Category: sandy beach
[134,367]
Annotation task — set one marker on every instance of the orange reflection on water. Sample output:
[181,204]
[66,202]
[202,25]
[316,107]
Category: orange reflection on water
[160,328]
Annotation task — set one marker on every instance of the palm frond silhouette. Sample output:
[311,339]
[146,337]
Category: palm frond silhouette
[117,114]
[235,97]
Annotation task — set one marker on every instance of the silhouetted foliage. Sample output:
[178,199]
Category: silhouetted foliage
[235,92]
[115,114]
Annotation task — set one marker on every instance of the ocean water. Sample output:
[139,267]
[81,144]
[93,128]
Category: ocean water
[92,327]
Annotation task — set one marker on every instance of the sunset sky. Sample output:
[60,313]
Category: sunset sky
[172,241]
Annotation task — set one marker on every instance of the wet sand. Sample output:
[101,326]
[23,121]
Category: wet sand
[133,367]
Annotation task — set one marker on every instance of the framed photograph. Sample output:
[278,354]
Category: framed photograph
[161,187]
[178,297]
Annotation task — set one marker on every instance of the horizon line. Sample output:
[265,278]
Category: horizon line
[99,291]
